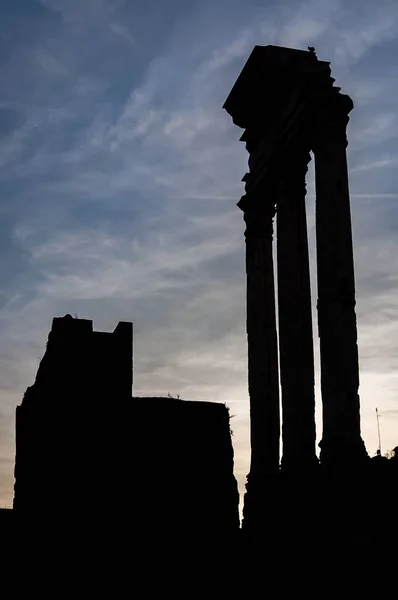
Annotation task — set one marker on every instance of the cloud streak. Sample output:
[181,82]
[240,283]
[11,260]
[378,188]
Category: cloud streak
[120,173]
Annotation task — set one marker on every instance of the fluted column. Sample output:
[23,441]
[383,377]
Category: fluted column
[296,352]
[262,337]
[336,286]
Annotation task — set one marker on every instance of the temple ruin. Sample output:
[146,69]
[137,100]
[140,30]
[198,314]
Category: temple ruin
[286,102]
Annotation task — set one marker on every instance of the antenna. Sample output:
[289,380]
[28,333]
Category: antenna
[378,428]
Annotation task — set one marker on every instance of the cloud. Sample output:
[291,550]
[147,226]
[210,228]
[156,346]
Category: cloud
[301,31]
[121,173]
[222,57]
[377,29]
[49,64]
[379,128]
[91,11]
[122,32]
[377,164]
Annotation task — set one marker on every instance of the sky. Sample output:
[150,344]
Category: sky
[119,178]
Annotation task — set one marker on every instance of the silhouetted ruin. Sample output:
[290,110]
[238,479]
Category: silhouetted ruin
[286,102]
[99,470]
[62,429]
[93,462]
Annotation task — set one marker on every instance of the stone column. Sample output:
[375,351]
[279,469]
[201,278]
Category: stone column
[262,337]
[336,286]
[295,320]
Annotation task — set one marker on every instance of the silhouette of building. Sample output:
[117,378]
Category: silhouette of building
[92,459]
[183,461]
[84,378]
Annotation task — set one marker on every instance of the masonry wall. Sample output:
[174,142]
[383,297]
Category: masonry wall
[183,462]
[93,462]
[63,421]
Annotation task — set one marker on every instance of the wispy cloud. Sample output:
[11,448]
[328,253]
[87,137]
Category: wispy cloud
[377,164]
[120,173]
[122,32]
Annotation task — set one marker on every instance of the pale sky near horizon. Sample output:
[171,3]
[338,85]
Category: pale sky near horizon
[120,174]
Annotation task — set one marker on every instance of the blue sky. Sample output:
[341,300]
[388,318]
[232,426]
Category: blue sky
[120,173]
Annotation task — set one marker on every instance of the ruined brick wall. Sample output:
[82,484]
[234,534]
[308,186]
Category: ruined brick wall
[182,464]
[90,458]
[63,421]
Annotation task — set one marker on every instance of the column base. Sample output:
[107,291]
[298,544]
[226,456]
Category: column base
[295,522]
[277,504]
[304,465]
[340,453]
[280,511]
[260,501]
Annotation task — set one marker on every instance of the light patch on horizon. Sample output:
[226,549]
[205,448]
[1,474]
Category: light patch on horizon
[120,174]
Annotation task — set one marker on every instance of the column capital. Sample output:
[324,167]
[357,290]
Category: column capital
[258,214]
[330,122]
[292,173]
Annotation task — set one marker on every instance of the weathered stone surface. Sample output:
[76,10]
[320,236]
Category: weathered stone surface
[181,459]
[262,336]
[295,318]
[286,102]
[83,381]
[336,284]
[96,463]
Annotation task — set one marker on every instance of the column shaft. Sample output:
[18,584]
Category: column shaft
[262,342]
[336,285]
[295,321]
